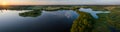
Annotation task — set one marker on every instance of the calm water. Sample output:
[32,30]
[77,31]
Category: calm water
[92,12]
[83,20]
[47,21]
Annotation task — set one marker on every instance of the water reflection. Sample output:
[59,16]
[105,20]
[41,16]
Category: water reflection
[86,22]
[90,19]
[93,13]
[36,21]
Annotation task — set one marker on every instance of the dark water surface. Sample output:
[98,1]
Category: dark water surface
[48,21]
[93,19]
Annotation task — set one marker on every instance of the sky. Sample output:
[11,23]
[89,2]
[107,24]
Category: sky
[59,2]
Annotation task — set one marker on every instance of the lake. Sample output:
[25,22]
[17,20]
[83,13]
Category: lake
[78,20]
[46,21]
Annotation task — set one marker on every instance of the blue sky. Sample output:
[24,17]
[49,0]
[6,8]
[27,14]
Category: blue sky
[61,2]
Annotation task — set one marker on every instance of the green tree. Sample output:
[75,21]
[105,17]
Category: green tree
[30,14]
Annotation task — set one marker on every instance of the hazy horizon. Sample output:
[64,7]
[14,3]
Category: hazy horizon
[59,2]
